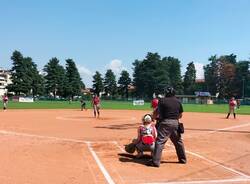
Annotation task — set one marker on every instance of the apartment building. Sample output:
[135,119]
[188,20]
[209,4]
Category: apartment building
[5,80]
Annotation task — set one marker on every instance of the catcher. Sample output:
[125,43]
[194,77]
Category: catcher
[145,139]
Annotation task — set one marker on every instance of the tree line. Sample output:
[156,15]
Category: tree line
[224,76]
[57,81]
[227,77]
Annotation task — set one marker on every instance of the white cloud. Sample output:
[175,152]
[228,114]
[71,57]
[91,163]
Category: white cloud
[86,75]
[116,66]
[84,71]
[199,70]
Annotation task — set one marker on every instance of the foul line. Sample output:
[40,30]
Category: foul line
[41,136]
[108,177]
[204,181]
[88,143]
[216,163]
[203,158]
[100,165]
[218,130]
[229,128]
[221,165]
[4,132]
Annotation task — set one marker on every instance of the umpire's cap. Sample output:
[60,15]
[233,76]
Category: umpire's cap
[169,91]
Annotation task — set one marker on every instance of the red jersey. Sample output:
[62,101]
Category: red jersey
[232,103]
[154,103]
[5,98]
[147,134]
[96,100]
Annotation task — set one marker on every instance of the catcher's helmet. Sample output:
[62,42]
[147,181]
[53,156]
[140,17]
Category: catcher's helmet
[169,91]
[147,118]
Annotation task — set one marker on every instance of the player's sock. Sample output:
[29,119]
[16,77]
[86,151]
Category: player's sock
[228,115]
[234,115]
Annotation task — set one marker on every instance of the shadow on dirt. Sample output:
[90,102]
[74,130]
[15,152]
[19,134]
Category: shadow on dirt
[120,126]
[125,157]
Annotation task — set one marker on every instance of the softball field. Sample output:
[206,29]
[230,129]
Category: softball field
[72,147]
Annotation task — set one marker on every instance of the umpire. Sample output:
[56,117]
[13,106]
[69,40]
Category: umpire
[169,110]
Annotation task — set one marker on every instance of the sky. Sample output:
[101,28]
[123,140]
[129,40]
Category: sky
[111,34]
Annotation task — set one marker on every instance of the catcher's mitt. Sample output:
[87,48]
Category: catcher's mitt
[130,148]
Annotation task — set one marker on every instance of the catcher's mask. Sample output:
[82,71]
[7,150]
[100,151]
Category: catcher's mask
[147,118]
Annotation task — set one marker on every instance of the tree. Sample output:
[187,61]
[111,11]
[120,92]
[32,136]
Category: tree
[38,84]
[242,79]
[16,73]
[34,81]
[73,80]
[211,75]
[55,78]
[174,72]
[98,83]
[110,86]
[220,75]
[145,75]
[25,76]
[153,74]
[226,76]
[138,78]
[162,76]
[123,82]
[189,79]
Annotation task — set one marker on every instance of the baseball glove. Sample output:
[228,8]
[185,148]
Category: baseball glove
[130,148]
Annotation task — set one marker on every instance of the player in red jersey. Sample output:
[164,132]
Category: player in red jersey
[232,106]
[96,103]
[5,101]
[154,105]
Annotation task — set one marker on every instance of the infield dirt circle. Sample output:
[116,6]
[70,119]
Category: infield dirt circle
[72,147]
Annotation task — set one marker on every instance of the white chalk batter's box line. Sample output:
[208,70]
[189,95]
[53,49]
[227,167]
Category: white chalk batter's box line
[233,180]
[243,177]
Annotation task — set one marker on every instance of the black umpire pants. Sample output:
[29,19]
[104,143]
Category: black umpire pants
[168,129]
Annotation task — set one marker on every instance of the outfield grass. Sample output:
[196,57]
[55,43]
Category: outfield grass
[223,108]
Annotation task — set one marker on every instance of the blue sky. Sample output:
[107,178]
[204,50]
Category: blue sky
[102,34]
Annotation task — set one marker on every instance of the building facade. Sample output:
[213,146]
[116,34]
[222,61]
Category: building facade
[5,80]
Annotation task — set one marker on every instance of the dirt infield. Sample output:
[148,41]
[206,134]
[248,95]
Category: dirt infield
[72,147]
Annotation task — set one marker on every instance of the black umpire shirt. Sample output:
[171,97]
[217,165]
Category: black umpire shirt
[169,108]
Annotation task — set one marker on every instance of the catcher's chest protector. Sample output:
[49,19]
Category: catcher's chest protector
[147,134]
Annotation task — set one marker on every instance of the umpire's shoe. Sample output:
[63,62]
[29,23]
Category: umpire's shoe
[151,164]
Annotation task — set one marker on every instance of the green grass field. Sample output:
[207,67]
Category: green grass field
[223,108]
